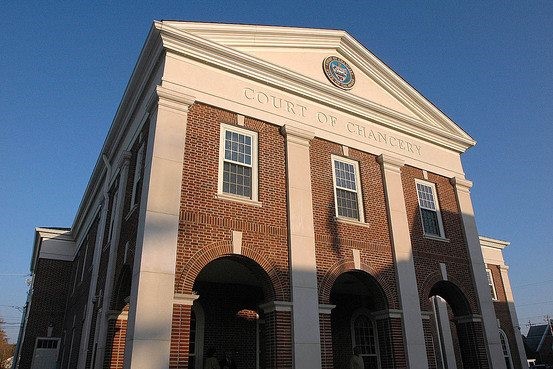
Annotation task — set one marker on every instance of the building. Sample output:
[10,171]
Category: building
[503,302]
[539,344]
[280,195]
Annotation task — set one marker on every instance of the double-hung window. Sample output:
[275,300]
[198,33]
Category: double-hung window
[491,284]
[238,163]
[138,174]
[429,209]
[347,189]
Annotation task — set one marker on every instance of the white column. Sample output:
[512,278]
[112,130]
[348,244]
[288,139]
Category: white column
[514,319]
[301,242]
[152,289]
[444,331]
[403,259]
[462,190]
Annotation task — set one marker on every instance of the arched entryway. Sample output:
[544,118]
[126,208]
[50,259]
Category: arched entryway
[454,334]
[227,317]
[360,319]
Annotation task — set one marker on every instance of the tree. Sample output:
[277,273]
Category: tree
[6,349]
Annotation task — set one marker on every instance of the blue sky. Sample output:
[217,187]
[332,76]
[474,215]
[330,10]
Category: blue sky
[487,65]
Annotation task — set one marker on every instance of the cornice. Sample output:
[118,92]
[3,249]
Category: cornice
[390,162]
[461,184]
[493,243]
[206,51]
[297,135]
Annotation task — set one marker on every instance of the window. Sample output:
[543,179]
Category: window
[490,283]
[238,163]
[138,174]
[364,337]
[505,349]
[429,209]
[347,188]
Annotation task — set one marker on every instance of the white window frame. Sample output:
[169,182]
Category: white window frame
[491,283]
[254,199]
[437,210]
[354,317]
[359,192]
[138,172]
[57,349]
[504,336]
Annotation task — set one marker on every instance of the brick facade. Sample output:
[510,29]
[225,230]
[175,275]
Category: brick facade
[231,286]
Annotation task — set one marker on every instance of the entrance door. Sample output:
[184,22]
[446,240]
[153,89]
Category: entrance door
[46,353]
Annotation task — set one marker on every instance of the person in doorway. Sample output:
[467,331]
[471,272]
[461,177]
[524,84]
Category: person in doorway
[211,362]
[228,361]
[356,361]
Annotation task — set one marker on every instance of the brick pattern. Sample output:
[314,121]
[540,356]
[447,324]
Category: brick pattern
[115,352]
[398,344]
[205,228]
[428,253]
[325,327]
[180,332]
[206,222]
[432,347]
[50,286]
[335,240]
[502,313]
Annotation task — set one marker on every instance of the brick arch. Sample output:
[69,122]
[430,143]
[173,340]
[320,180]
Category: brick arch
[347,266]
[273,286]
[431,280]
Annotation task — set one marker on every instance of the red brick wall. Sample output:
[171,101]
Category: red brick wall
[207,222]
[115,343]
[429,253]
[48,305]
[335,240]
[502,313]
[206,225]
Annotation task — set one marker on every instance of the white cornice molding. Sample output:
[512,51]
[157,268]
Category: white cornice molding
[493,243]
[297,135]
[390,162]
[461,184]
[204,50]
[174,100]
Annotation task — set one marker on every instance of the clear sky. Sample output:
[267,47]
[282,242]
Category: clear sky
[487,65]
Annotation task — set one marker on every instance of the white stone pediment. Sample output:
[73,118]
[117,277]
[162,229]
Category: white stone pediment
[291,59]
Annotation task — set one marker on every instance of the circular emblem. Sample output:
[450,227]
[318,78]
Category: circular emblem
[338,72]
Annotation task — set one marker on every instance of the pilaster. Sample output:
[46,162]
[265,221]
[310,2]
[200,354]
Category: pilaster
[403,259]
[152,290]
[301,243]
[462,190]
[512,311]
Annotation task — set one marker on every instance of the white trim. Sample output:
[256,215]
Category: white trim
[358,191]
[253,200]
[57,349]
[363,312]
[432,186]
[138,172]
[491,283]
[503,337]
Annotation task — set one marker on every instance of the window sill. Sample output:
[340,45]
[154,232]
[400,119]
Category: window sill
[241,200]
[351,221]
[436,238]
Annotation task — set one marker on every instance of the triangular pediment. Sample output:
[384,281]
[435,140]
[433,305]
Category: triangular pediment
[297,54]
